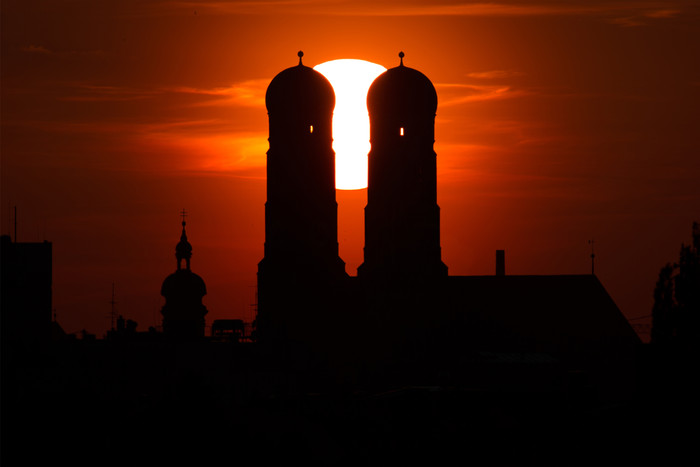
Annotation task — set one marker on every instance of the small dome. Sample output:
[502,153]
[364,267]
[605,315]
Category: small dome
[183,284]
[300,89]
[402,89]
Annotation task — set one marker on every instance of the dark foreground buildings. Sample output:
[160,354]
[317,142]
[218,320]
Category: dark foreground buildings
[401,365]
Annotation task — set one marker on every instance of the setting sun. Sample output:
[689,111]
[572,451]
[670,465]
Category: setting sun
[351,80]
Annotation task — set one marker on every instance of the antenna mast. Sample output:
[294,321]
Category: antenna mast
[591,243]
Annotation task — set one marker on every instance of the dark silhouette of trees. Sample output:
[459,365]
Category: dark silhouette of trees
[676,311]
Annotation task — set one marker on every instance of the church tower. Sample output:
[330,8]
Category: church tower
[183,312]
[301,230]
[402,217]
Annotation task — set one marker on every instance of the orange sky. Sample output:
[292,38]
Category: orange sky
[557,123]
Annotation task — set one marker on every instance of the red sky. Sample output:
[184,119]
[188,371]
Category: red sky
[558,122]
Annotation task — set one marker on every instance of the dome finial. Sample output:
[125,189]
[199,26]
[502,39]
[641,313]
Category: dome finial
[183,213]
[401,56]
[183,250]
[300,54]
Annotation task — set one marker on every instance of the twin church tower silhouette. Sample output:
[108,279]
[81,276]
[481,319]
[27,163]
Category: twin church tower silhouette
[303,288]
[402,216]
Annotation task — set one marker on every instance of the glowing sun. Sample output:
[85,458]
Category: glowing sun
[350,80]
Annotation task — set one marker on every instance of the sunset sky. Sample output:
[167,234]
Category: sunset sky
[557,123]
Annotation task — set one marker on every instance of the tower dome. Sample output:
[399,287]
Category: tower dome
[402,90]
[300,90]
[183,312]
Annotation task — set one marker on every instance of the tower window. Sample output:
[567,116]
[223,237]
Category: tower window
[311,128]
[401,131]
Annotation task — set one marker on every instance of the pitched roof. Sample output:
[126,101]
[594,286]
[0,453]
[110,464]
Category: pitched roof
[563,312]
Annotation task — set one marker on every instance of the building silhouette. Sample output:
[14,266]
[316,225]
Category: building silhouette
[26,294]
[402,217]
[183,312]
[301,267]
[402,311]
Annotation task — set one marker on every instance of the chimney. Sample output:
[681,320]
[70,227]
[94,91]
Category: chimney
[500,262]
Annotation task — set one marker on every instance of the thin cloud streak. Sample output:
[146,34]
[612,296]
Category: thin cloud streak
[648,9]
[230,155]
[472,93]
[36,49]
[91,93]
[250,93]
[494,74]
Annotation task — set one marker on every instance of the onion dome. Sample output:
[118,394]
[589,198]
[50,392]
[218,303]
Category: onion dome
[300,89]
[402,90]
[183,286]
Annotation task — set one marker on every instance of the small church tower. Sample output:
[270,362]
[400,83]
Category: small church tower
[183,312]
[402,217]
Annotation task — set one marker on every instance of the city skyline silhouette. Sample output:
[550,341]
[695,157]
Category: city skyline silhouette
[544,144]
[183,284]
[402,364]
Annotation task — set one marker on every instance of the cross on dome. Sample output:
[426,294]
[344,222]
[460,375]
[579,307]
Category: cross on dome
[183,213]
[183,250]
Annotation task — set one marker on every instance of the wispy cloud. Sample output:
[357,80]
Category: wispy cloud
[454,94]
[229,153]
[35,49]
[618,10]
[86,92]
[494,74]
[643,17]
[250,93]
[662,13]
[627,21]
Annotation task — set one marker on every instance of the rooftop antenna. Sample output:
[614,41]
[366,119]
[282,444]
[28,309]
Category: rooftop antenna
[113,312]
[591,243]
[15,224]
